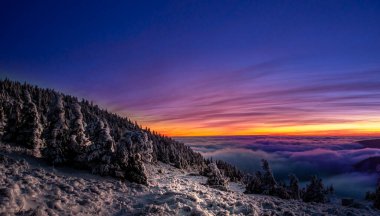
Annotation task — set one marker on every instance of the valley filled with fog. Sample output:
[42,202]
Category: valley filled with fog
[331,158]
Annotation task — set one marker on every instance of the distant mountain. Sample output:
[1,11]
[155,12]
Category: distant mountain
[373,143]
[370,165]
[67,131]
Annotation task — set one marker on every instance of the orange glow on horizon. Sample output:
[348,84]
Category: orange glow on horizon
[353,129]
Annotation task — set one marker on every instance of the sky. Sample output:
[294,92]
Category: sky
[200,68]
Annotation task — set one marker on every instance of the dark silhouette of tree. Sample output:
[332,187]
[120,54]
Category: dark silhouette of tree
[265,183]
[3,121]
[370,196]
[294,187]
[268,177]
[315,191]
[13,115]
[376,202]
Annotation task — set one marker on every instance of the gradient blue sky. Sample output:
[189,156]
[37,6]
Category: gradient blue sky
[206,67]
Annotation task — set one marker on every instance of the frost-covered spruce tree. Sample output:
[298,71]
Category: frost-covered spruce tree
[216,178]
[268,178]
[255,184]
[262,182]
[3,120]
[57,133]
[30,129]
[265,183]
[294,187]
[100,153]
[13,114]
[138,142]
[315,191]
[134,148]
[78,138]
[229,171]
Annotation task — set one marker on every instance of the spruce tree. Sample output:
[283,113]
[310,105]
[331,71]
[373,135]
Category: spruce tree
[14,120]
[78,138]
[103,145]
[57,133]
[216,178]
[294,187]
[3,120]
[315,191]
[376,202]
[268,177]
[30,128]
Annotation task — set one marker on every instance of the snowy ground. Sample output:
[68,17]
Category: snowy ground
[29,187]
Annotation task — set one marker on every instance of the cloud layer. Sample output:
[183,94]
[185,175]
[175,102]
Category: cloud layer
[329,157]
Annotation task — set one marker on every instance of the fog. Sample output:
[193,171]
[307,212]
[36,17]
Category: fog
[331,158]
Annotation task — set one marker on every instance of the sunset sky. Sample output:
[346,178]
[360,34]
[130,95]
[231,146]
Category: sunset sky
[206,67]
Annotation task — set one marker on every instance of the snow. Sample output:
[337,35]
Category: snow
[28,186]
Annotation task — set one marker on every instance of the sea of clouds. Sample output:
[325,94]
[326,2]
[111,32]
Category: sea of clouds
[331,158]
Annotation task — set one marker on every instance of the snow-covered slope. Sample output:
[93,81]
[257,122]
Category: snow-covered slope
[29,187]
[42,128]
[71,132]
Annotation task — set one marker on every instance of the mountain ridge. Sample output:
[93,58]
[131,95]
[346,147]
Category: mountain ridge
[68,131]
